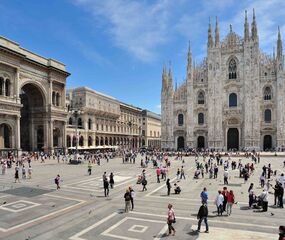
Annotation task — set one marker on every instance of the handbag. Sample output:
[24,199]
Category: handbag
[174,220]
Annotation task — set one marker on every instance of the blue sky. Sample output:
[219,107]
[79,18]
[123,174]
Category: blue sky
[118,47]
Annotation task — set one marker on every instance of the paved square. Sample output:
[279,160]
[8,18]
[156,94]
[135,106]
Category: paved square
[27,191]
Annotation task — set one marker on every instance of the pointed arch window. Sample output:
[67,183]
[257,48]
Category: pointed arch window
[201,118]
[267,116]
[267,93]
[201,98]
[180,119]
[232,69]
[232,100]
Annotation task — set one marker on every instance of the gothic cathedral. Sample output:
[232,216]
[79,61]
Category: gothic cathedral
[233,100]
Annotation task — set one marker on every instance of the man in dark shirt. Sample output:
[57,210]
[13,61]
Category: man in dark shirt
[203,215]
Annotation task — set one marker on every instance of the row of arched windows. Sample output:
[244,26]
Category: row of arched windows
[55,98]
[5,87]
[181,119]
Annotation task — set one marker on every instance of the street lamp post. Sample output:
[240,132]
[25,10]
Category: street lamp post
[76,113]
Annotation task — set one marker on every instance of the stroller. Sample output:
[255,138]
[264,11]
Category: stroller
[196,174]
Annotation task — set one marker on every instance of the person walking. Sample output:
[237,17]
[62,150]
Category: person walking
[203,216]
[168,185]
[204,196]
[182,173]
[127,197]
[171,220]
[216,169]
[111,180]
[219,203]
[158,174]
[56,181]
[144,183]
[89,168]
[231,200]
[17,174]
[106,187]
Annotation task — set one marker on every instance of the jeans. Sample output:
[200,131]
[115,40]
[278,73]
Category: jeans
[229,208]
[158,180]
[226,181]
[220,209]
[205,221]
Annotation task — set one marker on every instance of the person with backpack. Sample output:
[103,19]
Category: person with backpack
[203,216]
[127,197]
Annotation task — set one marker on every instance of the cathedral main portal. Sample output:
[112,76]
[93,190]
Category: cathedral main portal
[233,139]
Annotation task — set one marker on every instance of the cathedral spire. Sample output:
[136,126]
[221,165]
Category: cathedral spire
[189,60]
[279,46]
[246,28]
[217,34]
[254,35]
[210,38]
[170,82]
[164,78]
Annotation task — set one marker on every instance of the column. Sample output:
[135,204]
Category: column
[64,135]
[16,85]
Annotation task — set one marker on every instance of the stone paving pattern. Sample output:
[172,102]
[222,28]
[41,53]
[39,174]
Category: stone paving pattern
[34,209]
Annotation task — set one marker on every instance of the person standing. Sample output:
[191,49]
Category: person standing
[216,169]
[17,174]
[281,194]
[177,174]
[30,172]
[132,194]
[202,216]
[219,203]
[127,197]
[24,172]
[225,194]
[170,220]
[106,187]
[56,181]
[111,181]
[264,198]
[168,185]
[226,176]
[231,200]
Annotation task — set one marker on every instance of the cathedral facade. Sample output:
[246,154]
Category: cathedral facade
[233,100]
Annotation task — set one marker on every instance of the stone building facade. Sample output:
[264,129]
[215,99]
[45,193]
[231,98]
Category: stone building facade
[234,99]
[151,129]
[103,121]
[32,100]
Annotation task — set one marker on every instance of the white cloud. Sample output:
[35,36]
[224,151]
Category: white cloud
[142,28]
[135,26]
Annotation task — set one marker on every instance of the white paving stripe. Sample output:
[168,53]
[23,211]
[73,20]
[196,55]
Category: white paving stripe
[77,235]
[163,231]
[210,220]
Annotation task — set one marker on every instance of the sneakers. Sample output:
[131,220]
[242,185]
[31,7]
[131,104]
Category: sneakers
[207,231]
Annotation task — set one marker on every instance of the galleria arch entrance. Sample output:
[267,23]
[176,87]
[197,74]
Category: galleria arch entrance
[33,113]
[233,139]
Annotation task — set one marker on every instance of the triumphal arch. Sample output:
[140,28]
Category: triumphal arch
[32,100]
